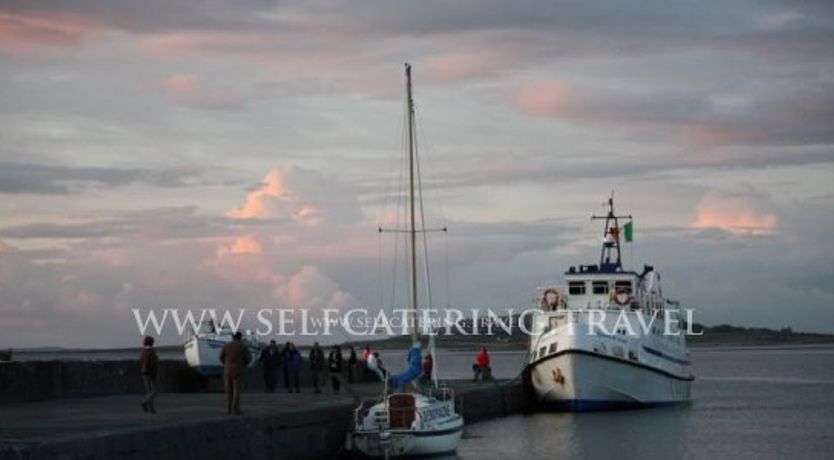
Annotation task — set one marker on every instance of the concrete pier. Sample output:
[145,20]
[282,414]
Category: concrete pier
[194,426]
[43,380]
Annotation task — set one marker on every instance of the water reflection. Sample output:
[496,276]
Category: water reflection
[649,433]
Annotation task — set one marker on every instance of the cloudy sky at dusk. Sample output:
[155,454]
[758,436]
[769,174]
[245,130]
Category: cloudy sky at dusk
[239,154]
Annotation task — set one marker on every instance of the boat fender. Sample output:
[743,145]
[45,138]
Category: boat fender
[622,297]
[547,305]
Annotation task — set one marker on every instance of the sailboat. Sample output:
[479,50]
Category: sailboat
[406,423]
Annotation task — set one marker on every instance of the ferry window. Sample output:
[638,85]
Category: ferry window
[623,286]
[552,348]
[600,287]
[576,288]
[541,351]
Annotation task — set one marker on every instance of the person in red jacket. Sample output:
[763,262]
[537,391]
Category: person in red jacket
[428,367]
[481,366]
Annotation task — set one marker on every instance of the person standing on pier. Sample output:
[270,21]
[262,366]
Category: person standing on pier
[375,366]
[352,365]
[150,364]
[317,367]
[335,367]
[270,359]
[481,366]
[367,355]
[292,367]
[235,357]
[428,368]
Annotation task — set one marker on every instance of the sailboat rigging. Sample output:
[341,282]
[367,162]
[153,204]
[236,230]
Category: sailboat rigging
[409,423]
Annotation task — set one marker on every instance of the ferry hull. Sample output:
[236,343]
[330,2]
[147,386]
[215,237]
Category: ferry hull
[577,380]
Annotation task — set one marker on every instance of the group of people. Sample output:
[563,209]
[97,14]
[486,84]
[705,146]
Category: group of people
[235,357]
[333,366]
[287,359]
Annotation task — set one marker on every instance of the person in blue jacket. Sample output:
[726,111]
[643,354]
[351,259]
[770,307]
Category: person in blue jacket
[292,367]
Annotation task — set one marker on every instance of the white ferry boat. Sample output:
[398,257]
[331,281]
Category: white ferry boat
[202,348]
[608,339]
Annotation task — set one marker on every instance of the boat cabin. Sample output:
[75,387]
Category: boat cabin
[606,284]
[588,287]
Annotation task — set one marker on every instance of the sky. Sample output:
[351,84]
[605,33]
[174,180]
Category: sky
[242,154]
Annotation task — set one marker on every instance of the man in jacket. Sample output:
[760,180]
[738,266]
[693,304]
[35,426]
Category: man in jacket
[317,367]
[352,366]
[481,366]
[149,364]
[270,359]
[292,367]
[335,367]
[235,357]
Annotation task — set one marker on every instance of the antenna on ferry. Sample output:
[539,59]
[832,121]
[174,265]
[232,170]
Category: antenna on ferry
[611,239]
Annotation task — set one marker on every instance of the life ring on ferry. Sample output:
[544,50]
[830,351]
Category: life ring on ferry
[622,297]
[556,299]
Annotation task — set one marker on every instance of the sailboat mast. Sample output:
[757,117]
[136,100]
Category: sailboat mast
[413,227]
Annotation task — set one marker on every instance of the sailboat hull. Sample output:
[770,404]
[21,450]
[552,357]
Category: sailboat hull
[434,429]
[442,439]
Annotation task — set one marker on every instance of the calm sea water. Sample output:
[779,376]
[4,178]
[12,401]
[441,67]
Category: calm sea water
[747,403]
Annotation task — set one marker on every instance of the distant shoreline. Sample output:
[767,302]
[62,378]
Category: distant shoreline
[718,337]
[721,336]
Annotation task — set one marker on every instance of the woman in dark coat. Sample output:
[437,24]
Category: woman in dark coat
[335,367]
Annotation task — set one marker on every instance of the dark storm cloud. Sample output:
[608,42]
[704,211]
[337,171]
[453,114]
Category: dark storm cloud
[16,178]
[797,115]
[150,15]
[651,24]
[549,167]
[163,224]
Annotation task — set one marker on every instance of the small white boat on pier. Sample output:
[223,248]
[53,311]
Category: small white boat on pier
[202,348]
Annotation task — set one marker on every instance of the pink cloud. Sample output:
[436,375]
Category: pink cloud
[547,99]
[179,43]
[257,202]
[563,100]
[735,215]
[111,256]
[310,287]
[712,134]
[677,115]
[244,245]
[190,90]
[303,196]
[181,83]
[21,33]
[457,66]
